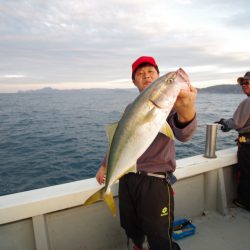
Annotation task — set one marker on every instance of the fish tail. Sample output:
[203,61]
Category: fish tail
[97,196]
[109,199]
[102,195]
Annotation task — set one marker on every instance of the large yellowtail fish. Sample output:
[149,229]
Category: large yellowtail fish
[138,127]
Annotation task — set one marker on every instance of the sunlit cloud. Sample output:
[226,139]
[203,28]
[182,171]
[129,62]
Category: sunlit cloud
[13,76]
[64,43]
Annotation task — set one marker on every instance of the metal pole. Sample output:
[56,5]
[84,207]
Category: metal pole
[211,136]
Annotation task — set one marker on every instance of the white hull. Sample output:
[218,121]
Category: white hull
[54,218]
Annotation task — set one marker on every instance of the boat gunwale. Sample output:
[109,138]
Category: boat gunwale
[23,205]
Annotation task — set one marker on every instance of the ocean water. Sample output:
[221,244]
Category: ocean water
[49,138]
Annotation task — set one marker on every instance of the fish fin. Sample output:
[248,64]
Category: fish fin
[167,130]
[132,169]
[97,196]
[102,195]
[109,199]
[110,131]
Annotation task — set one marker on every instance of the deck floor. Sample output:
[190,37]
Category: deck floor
[217,232]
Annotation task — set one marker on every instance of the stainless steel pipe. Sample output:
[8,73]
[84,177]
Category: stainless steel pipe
[211,137]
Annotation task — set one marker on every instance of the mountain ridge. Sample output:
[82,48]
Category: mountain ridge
[224,88]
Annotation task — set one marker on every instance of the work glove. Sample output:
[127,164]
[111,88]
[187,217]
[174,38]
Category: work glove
[224,126]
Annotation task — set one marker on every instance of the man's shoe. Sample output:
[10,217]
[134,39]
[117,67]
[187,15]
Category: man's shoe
[175,246]
[144,247]
[239,203]
[136,248]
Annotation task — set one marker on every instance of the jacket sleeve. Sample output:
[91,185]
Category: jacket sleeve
[241,116]
[185,132]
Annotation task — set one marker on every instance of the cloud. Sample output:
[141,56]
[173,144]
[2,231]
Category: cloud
[13,76]
[59,42]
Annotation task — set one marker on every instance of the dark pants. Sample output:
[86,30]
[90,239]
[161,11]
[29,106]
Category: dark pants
[244,170]
[147,208]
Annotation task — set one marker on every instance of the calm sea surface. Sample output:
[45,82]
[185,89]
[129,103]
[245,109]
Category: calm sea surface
[58,137]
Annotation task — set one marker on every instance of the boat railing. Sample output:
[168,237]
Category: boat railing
[55,218]
[41,201]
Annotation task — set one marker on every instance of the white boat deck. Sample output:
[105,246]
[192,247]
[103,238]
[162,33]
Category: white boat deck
[53,218]
[218,232]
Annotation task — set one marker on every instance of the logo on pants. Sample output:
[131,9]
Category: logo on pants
[164,211]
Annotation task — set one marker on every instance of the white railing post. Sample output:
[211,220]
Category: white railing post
[222,193]
[40,232]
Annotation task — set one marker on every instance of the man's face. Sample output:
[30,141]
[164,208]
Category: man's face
[144,76]
[246,87]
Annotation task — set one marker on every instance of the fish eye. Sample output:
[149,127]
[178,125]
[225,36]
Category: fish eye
[170,80]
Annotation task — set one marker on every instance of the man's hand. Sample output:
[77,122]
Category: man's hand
[224,126]
[185,105]
[101,174]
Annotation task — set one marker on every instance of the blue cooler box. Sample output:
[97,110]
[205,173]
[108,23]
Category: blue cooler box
[186,230]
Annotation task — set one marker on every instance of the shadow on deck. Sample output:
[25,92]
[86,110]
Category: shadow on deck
[218,232]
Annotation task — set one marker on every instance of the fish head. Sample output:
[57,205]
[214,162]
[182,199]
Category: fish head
[165,89]
[178,79]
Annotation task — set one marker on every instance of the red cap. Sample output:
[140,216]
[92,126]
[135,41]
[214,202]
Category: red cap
[141,60]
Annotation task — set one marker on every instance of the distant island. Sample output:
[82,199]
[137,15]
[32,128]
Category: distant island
[225,89]
[43,90]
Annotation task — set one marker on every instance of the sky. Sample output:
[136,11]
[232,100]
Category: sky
[91,44]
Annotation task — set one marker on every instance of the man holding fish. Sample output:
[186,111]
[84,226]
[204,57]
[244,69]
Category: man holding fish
[142,153]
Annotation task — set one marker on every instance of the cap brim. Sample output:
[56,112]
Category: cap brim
[240,79]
